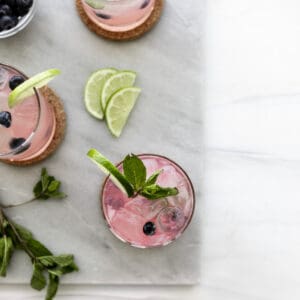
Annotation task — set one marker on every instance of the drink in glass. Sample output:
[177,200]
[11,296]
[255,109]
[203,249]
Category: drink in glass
[145,223]
[27,129]
[119,15]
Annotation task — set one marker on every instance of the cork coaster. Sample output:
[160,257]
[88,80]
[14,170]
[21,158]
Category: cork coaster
[60,117]
[126,35]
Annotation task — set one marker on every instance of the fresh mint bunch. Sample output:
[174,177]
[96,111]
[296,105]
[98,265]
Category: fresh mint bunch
[135,173]
[14,236]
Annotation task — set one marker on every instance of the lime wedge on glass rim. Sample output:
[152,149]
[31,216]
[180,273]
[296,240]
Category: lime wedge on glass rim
[114,83]
[119,107]
[93,91]
[110,169]
[26,89]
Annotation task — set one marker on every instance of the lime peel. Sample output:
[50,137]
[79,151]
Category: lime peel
[110,169]
[26,89]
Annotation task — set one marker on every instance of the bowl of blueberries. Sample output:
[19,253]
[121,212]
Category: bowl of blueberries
[15,15]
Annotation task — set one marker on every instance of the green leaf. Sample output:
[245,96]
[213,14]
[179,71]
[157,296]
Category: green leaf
[59,271]
[38,188]
[38,280]
[154,192]
[8,250]
[52,261]
[53,186]
[96,4]
[37,248]
[2,249]
[52,286]
[44,178]
[134,171]
[24,234]
[153,178]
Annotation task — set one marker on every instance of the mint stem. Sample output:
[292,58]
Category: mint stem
[18,204]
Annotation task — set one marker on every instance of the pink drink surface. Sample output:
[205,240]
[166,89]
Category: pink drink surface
[32,121]
[120,15]
[126,217]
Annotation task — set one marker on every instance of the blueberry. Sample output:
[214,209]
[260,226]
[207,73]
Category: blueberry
[21,7]
[149,228]
[7,22]
[5,119]
[17,142]
[16,81]
[5,10]
[145,4]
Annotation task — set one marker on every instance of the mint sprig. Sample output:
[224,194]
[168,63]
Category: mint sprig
[135,174]
[14,236]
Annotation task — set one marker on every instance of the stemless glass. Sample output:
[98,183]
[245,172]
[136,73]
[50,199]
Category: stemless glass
[32,125]
[166,219]
[119,15]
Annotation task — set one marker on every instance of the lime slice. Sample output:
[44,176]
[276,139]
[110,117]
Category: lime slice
[109,169]
[117,81]
[93,90]
[26,89]
[119,107]
[96,4]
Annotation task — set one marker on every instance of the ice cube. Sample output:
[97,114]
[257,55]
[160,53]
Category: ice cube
[3,78]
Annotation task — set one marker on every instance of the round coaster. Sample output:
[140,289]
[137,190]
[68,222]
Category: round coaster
[60,117]
[126,35]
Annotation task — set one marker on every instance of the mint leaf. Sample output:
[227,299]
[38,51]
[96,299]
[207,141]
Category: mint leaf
[38,280]
[153,178]
[61,260]
[52,286]
[6,254]
[154,192]
[134,171]
[47,187]
[37,248]
[96,4]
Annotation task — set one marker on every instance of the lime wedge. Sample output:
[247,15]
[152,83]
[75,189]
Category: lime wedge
[93,91]
[109,169]
[119,107]
[96,4]
[26,89]
[117,81]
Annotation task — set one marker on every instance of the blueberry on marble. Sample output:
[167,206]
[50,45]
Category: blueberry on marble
[5,119]
[149,228]
[16,81]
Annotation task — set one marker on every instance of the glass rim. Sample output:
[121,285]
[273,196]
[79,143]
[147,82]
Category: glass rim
[22,24]
[181,231]
[30,137]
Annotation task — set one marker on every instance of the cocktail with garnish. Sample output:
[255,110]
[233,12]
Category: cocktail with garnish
[27,120]
[147,200]
[118,15]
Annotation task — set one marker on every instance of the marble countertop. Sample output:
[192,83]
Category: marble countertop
[249,216]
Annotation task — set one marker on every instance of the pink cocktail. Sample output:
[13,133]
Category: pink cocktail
[147,223]
[27,129]
[119,15]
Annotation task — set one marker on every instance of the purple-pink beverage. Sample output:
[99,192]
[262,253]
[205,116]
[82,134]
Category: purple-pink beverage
[120,15]
[32,123]
[147,223]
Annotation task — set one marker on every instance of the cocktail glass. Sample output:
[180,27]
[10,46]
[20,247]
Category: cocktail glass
[119,15]
[167,217]
[32,125]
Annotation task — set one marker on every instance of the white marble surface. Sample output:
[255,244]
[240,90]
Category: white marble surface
[249,210]
[166,120]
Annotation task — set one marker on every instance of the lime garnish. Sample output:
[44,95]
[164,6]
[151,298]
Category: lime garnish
[109,168]
[93,91]
[26,89]
[96,4]
[117,81]
[119,107]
